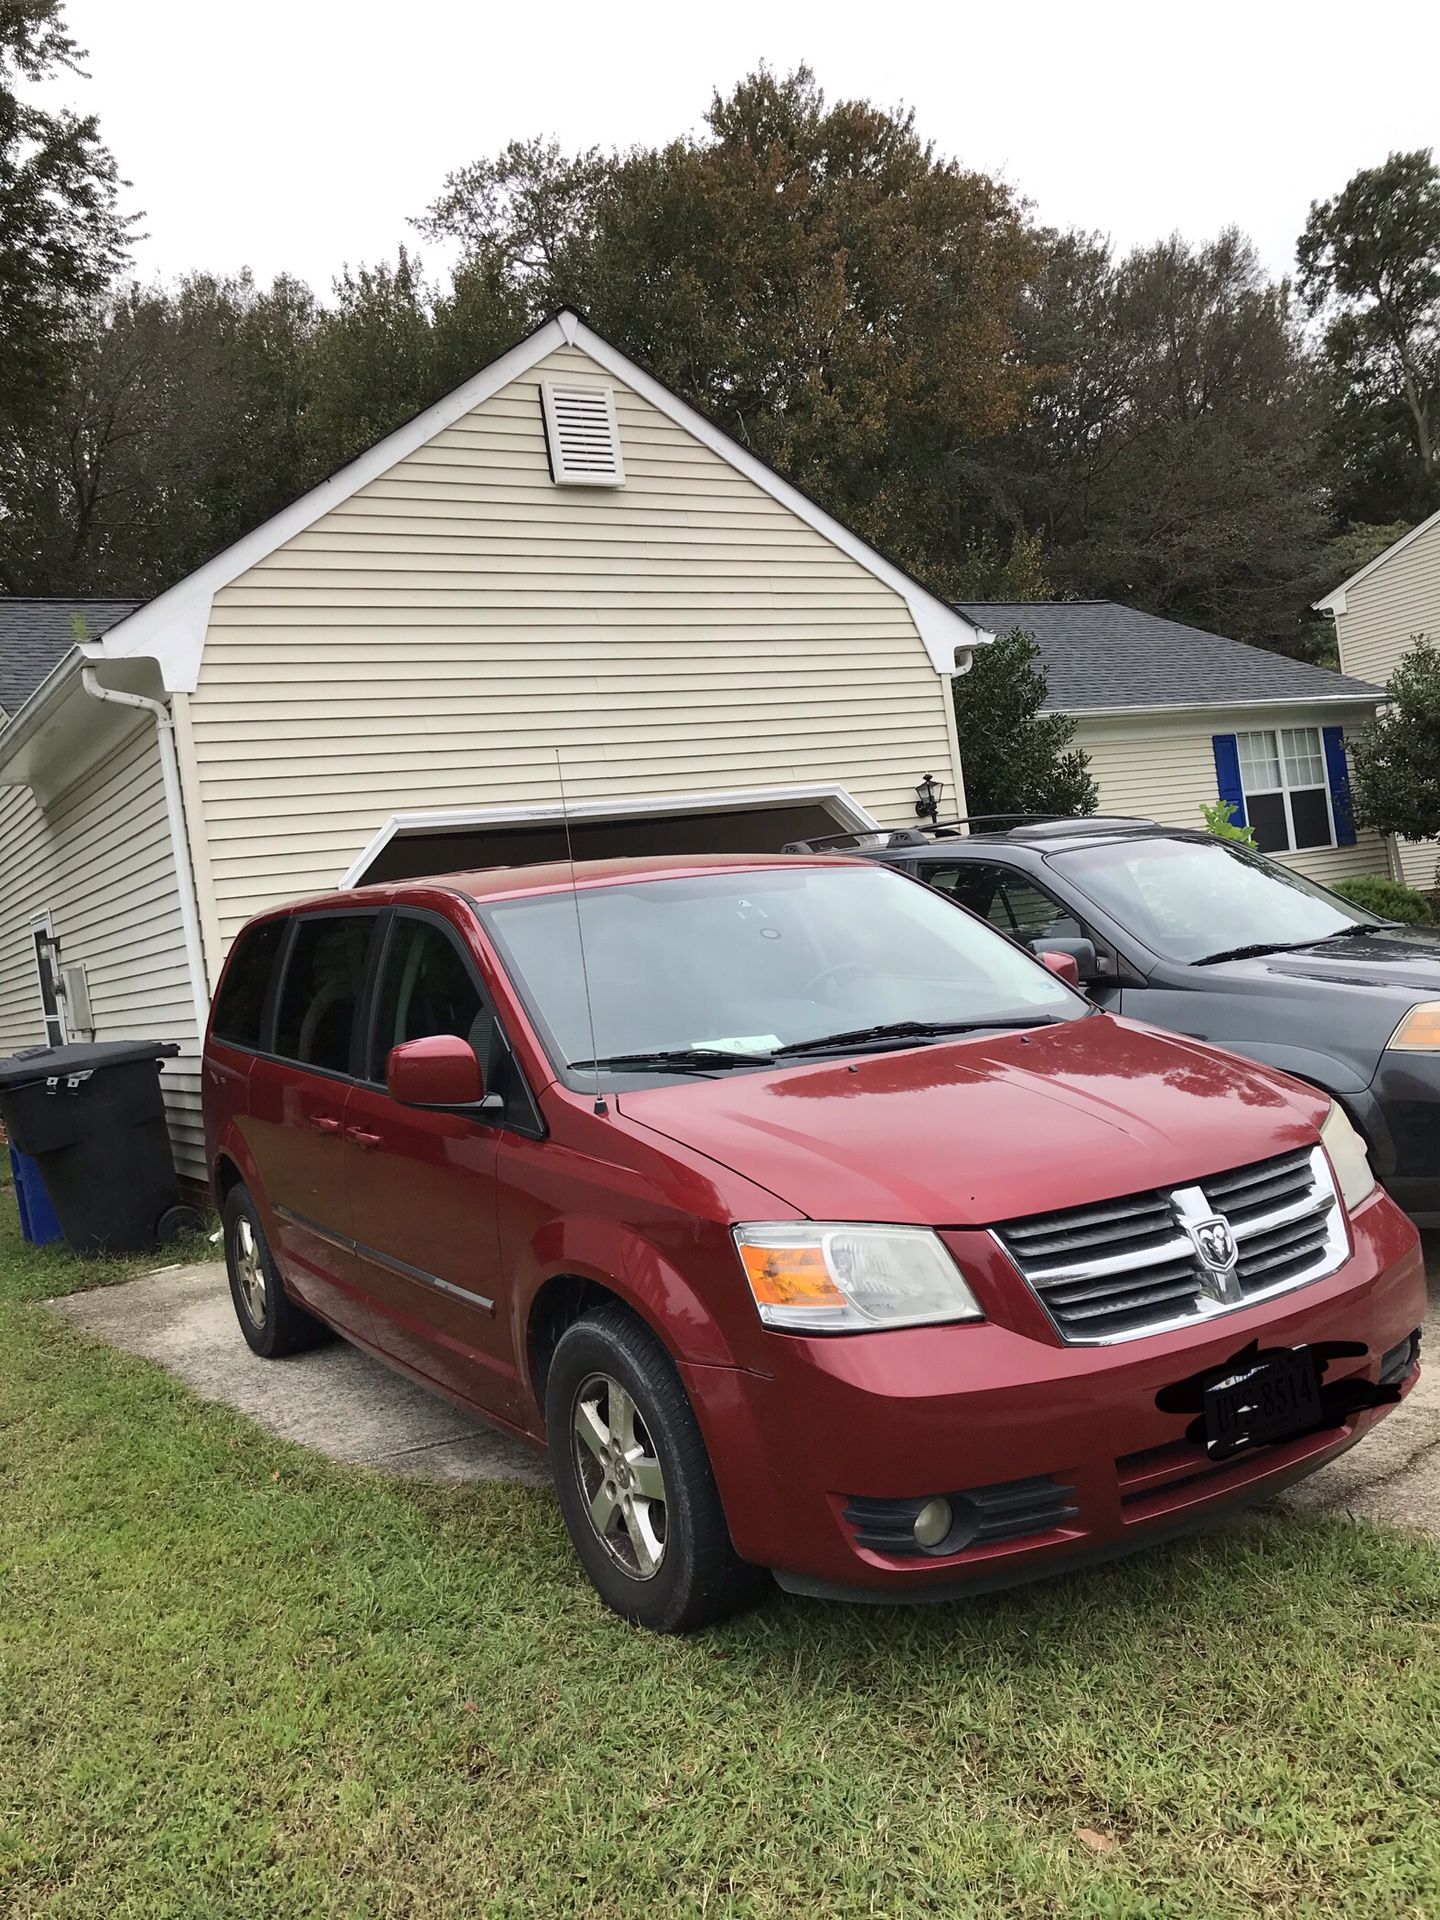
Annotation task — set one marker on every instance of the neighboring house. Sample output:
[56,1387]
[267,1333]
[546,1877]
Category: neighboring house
[1172,716]
[1379,613]
[559,555]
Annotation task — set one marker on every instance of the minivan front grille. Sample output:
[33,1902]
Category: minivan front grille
[1133,1266]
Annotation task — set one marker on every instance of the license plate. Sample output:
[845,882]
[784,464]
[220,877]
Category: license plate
[1273,1400]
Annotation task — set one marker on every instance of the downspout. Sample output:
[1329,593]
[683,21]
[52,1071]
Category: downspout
[179,840]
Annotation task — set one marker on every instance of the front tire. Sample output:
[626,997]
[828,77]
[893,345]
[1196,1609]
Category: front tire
[272,1323]
[635,1482]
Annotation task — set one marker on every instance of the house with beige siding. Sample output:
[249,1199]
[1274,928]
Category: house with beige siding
[1173,717]
[1379,614]
[560,582]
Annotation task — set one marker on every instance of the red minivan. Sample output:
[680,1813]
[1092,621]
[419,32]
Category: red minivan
[813,1225]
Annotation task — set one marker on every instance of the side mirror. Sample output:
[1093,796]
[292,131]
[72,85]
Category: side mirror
[440,1071]
[1078,961]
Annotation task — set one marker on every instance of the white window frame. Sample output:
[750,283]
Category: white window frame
[1284,789]
[41,925]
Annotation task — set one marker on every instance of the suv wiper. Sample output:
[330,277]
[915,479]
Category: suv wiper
[1253,952]
[909,1030]
[1261,947]
[682,1059]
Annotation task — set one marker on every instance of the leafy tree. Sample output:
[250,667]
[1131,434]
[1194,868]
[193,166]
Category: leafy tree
[814,276]
[179,425]
[1016,758]
[1397,758]
[62,236]
[1369,263]
[1168,453]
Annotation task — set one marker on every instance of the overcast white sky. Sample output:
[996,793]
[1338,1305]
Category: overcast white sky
[302,134]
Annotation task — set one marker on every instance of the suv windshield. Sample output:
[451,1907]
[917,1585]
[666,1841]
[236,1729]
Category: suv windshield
[1207,899]
[730,968]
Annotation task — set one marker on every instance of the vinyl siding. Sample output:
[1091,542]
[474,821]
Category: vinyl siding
[1162,769]
[98,857]
[1383,615]
[431,641]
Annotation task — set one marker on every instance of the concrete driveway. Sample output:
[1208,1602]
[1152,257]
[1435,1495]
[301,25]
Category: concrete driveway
[339,1402]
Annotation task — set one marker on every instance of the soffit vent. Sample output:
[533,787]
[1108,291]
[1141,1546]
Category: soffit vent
[582,435]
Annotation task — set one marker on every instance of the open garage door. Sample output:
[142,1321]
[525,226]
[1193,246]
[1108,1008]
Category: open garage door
[413,844]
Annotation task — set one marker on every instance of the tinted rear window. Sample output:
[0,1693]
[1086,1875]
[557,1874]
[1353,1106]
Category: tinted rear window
[321,992]
[241,1005]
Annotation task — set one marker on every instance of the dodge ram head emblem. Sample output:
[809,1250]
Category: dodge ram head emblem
[1215,1245]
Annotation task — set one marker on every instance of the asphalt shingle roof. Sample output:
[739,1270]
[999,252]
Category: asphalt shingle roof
[35,635]
[1099,654]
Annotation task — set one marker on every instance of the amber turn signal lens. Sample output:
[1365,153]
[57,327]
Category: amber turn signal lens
[790,1277]
[1419,1031]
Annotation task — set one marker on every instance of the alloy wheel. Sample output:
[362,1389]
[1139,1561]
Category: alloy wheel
[250,1271]
[620,1475]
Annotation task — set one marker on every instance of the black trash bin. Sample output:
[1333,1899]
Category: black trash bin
[92,1119]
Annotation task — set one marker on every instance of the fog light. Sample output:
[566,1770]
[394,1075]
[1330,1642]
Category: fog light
[933,1522]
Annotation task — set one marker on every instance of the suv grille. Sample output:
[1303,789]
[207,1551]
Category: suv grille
[1134,1266]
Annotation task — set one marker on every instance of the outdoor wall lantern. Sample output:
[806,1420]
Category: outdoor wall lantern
[927,797]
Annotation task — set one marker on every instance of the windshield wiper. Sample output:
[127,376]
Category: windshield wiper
[1254,952]
[681,1059]
[1361,926]
[1262,947]
[909,1030]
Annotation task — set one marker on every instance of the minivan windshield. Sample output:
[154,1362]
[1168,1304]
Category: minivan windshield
[1200,900]
[713,972]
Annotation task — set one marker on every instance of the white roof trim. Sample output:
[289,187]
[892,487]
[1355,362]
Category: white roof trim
[846,808]
[1223,706]
[1335,602]
[171,629]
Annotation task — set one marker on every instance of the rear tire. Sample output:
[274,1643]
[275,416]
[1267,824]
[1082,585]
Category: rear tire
[635,1482]
[272,1323]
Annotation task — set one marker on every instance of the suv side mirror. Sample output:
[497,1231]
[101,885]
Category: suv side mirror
[439,1071]
[1079,953]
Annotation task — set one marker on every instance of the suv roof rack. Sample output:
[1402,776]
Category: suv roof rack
[921,836]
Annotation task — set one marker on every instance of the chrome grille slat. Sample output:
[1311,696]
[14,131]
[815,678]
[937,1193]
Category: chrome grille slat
[1128,1266]
[1129,1260]
[1228,1186]
[1128,1303]
[1261,1196]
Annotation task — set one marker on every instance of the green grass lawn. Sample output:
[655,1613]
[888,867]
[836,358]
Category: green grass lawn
[236,1680]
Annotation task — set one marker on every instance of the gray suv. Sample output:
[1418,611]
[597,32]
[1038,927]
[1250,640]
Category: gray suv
[1206,938]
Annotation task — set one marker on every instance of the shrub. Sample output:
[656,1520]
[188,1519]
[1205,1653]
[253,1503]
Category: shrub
[1219,818]
[1377,893]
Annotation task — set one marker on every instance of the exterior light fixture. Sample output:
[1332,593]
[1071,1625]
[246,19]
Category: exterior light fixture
[927,797]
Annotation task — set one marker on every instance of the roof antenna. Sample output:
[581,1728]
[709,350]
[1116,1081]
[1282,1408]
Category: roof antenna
[600,1106]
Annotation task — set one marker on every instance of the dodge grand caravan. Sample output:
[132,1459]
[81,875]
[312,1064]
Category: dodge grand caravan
[811,1224]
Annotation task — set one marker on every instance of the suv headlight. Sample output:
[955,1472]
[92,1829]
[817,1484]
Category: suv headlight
[825,1276]
[1353,1173]
[1419,1031]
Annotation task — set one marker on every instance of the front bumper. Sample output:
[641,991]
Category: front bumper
[842,1424]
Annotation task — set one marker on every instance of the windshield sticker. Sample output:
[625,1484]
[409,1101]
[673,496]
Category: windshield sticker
[742,1043]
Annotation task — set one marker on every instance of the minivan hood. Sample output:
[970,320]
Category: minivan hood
[974,1131]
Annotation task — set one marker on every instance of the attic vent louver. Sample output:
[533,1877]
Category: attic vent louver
[582,435]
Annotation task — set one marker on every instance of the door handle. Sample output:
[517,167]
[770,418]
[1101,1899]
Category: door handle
[322,1123]
[362,1138]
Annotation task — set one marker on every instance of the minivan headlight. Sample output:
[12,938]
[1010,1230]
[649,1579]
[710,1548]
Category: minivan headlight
[1348,1156]
[826,1276]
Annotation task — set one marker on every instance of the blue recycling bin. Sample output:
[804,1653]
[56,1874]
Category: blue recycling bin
[37,1216]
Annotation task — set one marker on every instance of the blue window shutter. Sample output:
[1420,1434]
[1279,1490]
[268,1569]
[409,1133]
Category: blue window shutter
[1227,775]
[1339,776]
